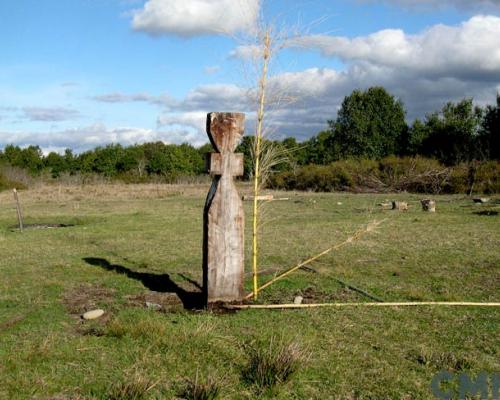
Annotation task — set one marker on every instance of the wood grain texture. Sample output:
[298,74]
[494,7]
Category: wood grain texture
[223,244]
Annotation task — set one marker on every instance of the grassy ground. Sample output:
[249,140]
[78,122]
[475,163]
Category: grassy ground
[132,244]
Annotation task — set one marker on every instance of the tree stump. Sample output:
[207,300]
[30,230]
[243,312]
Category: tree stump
[400,205]
[428,205]
[223,239]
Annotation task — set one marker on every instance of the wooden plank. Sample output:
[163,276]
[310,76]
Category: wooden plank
[267,197]
[223,244]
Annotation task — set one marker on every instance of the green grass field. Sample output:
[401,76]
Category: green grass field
[132,244]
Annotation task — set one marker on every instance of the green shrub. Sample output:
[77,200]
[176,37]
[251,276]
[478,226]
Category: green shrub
[394,174]
[457,180]
[6,183]
[488,178]
[413,174]
[363,173]
[316,178]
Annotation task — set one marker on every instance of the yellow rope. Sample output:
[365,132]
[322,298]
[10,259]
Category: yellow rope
[400,304]
[354,237]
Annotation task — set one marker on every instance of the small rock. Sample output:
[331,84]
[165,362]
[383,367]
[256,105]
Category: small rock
[94,314]
[153,306]
[339,203]
[298,300]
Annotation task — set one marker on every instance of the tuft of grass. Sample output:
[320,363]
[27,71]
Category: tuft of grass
[441,360]
[200,390]
[136,327]
[273,363]
[136,388]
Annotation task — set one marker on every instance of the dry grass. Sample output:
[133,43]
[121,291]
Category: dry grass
[274,363]
[135,388]
[105,192]
[358,353]
[199,389]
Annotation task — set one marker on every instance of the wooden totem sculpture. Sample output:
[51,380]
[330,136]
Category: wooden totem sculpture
[223,241]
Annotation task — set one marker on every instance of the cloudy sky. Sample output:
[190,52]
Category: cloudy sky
[85,73]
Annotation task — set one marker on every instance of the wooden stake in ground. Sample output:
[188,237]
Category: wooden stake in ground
[19,211]
[223,268]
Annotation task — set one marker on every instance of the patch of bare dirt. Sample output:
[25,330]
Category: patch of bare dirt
[158,301]
[11,322]
[313,295]
[86,298]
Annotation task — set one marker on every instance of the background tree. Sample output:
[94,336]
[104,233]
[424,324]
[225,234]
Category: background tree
[417,133]
[489,140]
[322,149]
[452,134]
[55,163]
[369,124]
[29,158]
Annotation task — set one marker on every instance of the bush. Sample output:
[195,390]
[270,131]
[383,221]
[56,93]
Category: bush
[6,182]
[317,178]
[457,180]
[395,174]
[364,173]
[487,178]
[413,174]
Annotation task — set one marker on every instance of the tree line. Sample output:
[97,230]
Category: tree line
[370,124]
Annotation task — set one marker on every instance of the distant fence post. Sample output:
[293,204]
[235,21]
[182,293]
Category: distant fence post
[19,211]
[223,235]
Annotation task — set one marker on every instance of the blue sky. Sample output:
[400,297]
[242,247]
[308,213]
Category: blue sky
[84,73]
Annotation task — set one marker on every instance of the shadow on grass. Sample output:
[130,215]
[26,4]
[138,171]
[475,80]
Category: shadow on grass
[155,282]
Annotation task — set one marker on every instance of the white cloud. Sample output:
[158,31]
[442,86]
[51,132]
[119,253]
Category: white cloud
[215,97]
[49,114]
[211,69]
[118,97]
[84,138]
[440,64]
[422,4]
[246,52]
[190,18]
[424,70]
[471,49]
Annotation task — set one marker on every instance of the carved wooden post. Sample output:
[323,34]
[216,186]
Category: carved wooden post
[223,268]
